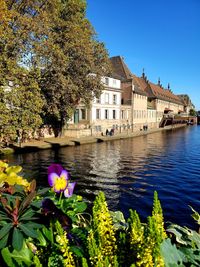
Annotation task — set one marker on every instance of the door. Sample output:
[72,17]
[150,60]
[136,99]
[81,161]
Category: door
[76,116]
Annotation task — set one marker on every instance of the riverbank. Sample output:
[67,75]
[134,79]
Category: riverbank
[56,142]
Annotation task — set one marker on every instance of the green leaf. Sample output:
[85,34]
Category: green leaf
[41,239]
[3,241]
[5,229]
[35,225]
[27,215]
[48,234]
[17,239]
[36,204]
[192,255]
[80,207]
[195,215]
[27,201]
[172,256]
[7,256]
[43,191]
[178,235]
[22,257]
[78,251]
[28,230]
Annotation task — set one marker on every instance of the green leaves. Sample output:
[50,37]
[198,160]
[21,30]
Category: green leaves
[28,230]
[22,257]
[187,246]
[17,239]
[172,256]
[17,217]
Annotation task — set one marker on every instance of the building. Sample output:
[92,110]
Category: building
[103,113]
[134,97]
[148,101]
[127,103]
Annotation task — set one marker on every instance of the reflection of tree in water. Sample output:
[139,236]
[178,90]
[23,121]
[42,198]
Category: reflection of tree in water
[129,170]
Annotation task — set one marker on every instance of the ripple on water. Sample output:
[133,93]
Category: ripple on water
[130,170]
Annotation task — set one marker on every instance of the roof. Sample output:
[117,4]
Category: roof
[119,68]
[140,85]
[164,94]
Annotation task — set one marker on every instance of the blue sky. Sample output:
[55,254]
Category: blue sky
[161,36]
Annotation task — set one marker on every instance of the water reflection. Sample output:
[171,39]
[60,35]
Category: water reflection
[129,170]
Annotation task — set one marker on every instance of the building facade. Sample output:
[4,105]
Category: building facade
[127,103]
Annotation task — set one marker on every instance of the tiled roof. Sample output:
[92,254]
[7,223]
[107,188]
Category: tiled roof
[141,85]
[119,68]
[164,94]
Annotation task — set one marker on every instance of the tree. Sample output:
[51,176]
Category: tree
[54,39]
[192,112]
[76,62]
[20,98]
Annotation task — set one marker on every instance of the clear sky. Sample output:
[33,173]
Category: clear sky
[161,36]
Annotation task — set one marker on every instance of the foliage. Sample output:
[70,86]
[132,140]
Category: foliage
[46,45]
[21,101]
[45,228]
[18,215]
[184,249]
[101,239]
[192,112]
[74,62]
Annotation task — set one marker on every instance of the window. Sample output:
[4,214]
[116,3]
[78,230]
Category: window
[83,114]
[106,98]
[106,81]
[98,100]
[97,114]
[106,114]
[122,115]
[114,114]
[114,82]
[114,99]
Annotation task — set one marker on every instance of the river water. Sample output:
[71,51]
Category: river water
[130,170]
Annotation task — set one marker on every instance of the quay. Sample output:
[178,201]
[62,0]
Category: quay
[57,142]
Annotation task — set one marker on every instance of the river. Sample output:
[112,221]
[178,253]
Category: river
[129,171]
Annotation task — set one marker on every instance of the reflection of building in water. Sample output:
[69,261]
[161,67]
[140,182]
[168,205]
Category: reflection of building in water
[105,165]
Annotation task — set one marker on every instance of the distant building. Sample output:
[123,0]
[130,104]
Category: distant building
[148,101]
[128,103]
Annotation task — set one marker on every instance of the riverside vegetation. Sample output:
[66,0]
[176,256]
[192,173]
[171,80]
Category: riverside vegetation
[53,227]
[48,51]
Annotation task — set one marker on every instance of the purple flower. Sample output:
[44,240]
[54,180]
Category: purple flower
[69,190]
[58,178]
[57,168]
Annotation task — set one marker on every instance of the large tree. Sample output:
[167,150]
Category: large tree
[20,97]
[75,64]
[55,39]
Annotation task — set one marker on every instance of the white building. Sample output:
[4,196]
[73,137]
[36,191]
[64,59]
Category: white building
[104,112]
